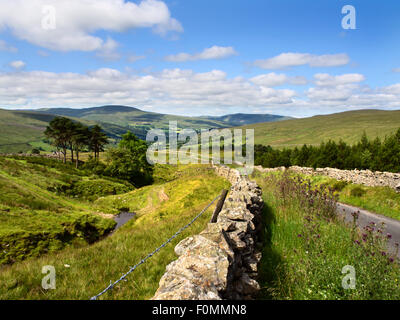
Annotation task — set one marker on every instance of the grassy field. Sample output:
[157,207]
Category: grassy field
[21,131]
[178,195]
[348,126]
[45,206]
[306,248]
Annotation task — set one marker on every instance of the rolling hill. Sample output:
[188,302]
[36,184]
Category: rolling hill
[240,119]
[23,130]
[348,126]
[20,131]
[134,119]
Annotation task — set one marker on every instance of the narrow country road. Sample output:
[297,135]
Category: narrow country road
[392,226]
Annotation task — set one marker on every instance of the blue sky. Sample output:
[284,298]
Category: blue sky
[195,57]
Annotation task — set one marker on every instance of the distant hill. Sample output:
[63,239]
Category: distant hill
[240,119]
[348,126]
[133,118]
[139,121]
[23,130]
[20,130]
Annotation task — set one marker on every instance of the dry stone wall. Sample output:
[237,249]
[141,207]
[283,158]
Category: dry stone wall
[221,262]
[50,156]
[363,177]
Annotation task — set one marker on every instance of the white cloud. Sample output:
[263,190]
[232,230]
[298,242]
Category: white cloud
[215,52]
[108,51]
[172,88]
[273,80]
[78,20]
[133,58]
[290,59]
[7,48]
[18,64]
[188,92]
[397,70]
[324,79]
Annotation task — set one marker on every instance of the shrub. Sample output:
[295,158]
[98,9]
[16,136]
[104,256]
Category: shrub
[94,166]
[94,189]
[339,185]
[357,192]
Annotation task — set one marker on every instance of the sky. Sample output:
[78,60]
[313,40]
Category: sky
[201,57]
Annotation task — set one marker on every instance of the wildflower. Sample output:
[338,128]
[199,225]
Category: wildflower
[299,236]
[389,236]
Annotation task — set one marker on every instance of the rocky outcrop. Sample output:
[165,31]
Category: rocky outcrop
[363,177]
[221,262]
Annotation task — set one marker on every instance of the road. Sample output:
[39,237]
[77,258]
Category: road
[392,226]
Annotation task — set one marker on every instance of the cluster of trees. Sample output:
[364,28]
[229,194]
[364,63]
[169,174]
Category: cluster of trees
[127,161]
[66,134]
[376,155]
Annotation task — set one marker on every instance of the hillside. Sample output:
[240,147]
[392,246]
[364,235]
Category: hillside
[20,131]
[240,119]
[141,121]
[134,119]
[348,126]
[45,206]
[83,271]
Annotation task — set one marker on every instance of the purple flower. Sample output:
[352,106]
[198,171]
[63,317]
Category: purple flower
[389,236]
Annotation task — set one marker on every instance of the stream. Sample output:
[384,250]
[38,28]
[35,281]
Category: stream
[123,218]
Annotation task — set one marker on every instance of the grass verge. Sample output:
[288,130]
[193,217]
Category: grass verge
[306,248]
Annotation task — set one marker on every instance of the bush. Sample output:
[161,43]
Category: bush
[94,166]
[340,185]
[357,192]
[94,189]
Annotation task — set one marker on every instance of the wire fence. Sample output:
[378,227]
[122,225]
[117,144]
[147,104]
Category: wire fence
[113,284]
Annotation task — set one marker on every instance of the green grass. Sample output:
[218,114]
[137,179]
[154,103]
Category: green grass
[304,260]
[45,206]
[162,209]
[382,200]
[348,126]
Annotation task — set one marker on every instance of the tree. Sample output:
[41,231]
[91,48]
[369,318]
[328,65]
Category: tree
[98,139]
[80,138]
[128,161]
[59,132]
